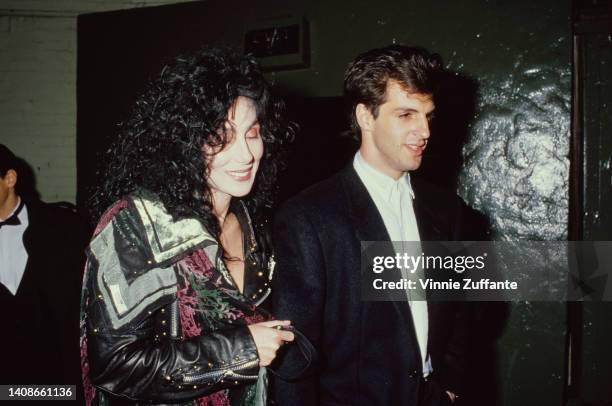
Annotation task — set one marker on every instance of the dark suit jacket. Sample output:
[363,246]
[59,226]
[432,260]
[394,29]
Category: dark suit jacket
[368,352]
[39,340]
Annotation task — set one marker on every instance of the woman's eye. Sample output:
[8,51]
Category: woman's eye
[253,133]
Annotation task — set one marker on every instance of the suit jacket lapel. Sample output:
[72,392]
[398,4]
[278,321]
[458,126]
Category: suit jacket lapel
[428,223]
[29,235]
[430,229]
[367,221]
[30,243]
[369,226]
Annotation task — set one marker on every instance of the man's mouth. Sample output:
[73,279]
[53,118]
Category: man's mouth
[416,149]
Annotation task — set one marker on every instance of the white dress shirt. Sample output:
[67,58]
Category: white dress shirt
[13,255]
[393,199]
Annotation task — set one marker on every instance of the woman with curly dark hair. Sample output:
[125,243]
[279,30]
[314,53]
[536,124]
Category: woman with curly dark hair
[179,266]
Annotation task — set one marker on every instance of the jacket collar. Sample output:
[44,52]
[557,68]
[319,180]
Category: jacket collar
[368,222]
[369,225]
[366,219]
[168,239]
[427,220]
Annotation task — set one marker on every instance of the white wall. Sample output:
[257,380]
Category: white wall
[38,85]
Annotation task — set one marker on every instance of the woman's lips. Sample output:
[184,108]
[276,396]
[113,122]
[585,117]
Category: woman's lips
[241,175]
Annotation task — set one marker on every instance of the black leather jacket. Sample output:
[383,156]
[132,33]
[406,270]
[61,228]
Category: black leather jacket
[135,345]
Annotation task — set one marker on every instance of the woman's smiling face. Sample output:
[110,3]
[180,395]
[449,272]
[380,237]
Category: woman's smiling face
[232,170]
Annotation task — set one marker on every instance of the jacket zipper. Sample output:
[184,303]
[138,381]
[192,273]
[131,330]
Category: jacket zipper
[174,319]
[249,222]
[252,237]
[216,375]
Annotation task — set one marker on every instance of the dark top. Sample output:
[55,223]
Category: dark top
[39,340]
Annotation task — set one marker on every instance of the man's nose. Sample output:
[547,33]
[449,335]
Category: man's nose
[423,127]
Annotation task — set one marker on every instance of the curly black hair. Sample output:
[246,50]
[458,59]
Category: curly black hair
[159,147]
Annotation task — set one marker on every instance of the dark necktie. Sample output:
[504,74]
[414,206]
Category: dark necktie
[13,220]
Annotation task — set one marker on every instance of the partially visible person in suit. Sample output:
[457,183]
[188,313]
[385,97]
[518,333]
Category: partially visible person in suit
[371,353]
[41,263]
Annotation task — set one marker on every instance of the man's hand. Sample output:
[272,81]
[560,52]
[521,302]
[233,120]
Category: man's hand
[268,339]
[452,396]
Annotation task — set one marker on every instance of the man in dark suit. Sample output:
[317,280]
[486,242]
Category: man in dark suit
[371,353]
[41,263]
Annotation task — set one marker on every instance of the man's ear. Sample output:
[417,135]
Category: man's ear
[365,119]
[10,178]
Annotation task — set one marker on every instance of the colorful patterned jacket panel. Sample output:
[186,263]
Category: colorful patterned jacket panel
[162,319]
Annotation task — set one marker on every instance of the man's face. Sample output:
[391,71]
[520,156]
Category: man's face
[394,141]
[233,169]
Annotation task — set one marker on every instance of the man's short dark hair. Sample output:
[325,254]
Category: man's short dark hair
[7,160]
[365,80]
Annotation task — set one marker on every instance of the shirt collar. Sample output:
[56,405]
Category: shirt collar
[14,210]
[23,214]
[381,183]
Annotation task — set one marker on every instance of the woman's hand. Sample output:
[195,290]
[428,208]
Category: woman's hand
[268,339]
